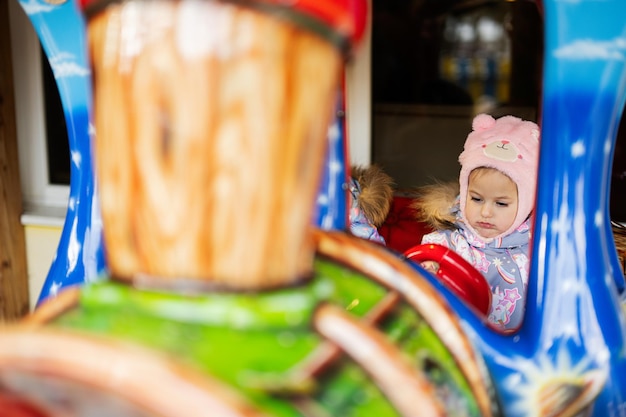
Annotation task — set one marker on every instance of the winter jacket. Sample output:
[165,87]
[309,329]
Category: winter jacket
[504,262]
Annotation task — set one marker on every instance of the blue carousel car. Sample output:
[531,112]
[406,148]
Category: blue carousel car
[351,329]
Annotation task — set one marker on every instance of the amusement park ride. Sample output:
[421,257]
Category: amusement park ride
[189,281]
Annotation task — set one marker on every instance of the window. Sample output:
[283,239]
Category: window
[42,138]
[57,145]
[435,64]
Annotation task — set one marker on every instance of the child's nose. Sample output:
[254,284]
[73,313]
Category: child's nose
[485,211]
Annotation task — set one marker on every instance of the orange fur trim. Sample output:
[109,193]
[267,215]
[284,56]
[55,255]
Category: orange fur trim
[376,192]
[434,203]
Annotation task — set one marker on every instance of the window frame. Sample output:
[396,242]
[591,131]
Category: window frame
[44,203]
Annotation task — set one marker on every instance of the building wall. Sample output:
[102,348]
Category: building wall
[41,246]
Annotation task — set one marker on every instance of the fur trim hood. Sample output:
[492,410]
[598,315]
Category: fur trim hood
[376,192]
[434,205]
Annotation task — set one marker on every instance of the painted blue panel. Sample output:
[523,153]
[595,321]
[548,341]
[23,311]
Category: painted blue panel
[80,255]
[332,211]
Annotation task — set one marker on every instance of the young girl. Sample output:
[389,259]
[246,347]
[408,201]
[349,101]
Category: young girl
[486,219]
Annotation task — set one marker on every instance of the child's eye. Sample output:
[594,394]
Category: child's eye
[500,204]
[477,199]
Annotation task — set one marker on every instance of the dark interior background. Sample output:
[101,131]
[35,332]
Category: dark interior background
[438,63]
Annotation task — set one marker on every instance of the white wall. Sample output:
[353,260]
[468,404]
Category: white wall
[41,246]
[359,100]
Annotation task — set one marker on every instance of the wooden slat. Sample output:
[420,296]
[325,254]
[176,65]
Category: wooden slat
[13,271]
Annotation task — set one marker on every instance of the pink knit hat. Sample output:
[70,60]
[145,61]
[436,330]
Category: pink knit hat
[510,145]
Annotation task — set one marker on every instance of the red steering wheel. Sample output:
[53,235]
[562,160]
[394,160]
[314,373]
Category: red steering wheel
[456,273]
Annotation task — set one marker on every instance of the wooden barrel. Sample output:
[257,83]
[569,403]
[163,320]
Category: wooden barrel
[211,123]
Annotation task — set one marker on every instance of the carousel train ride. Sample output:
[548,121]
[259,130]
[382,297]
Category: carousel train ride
[190,279]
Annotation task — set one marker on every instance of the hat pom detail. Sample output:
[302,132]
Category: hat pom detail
[483,122]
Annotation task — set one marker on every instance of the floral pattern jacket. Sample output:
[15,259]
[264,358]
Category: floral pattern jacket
[504,262]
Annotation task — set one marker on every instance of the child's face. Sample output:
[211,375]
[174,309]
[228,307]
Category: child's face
[491,203]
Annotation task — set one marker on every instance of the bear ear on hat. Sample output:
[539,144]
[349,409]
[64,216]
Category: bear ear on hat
[483,122]
[535,133]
